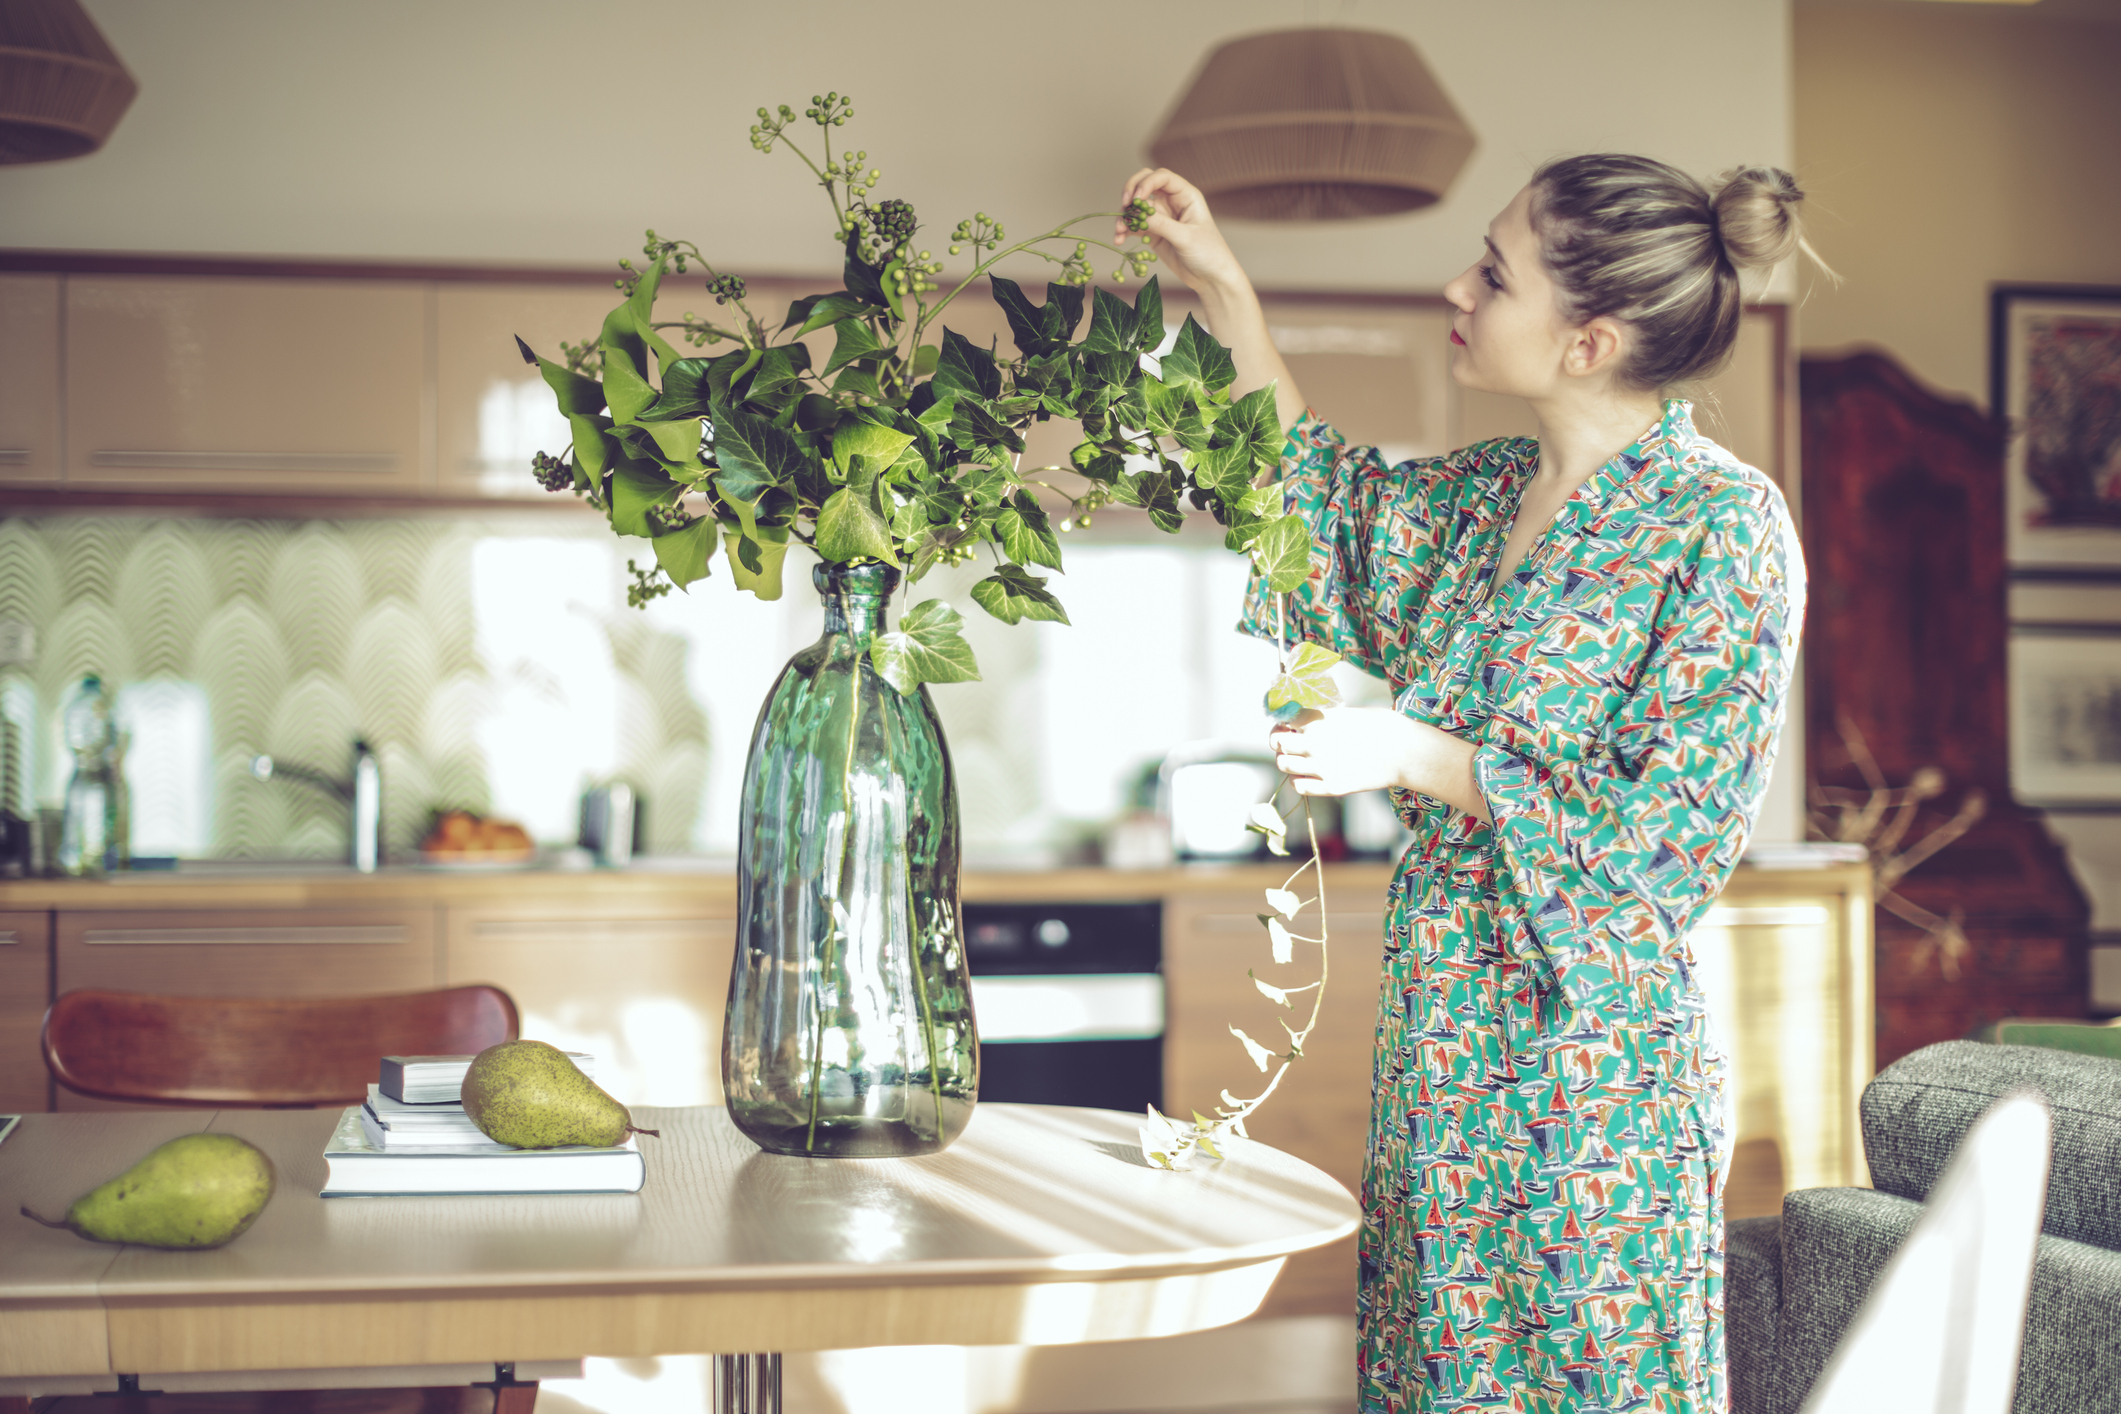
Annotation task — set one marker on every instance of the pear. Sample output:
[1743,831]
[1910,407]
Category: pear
[199,1190]
[531,1096]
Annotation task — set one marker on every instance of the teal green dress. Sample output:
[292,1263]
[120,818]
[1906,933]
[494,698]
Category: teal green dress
[1542,1191]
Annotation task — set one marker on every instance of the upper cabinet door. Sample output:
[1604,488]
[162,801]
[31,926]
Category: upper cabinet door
[492,410]
[261,385]
[29,377]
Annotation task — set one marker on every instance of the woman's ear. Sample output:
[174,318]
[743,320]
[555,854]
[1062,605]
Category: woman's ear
[1596,347]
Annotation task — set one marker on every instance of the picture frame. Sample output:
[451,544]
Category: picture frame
[2055,384]
[2065,715]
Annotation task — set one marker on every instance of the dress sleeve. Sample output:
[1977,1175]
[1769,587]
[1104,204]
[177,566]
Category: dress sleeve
[1603,864]
[1378,533]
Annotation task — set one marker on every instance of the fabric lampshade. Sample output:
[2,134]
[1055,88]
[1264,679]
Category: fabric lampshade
[1315,125]
[62,89]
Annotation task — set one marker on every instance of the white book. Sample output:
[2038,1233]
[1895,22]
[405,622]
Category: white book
[395,1114]
[424,1080]
[356,1168]
[398,1141]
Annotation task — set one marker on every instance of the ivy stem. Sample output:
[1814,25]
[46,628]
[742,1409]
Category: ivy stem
[832,937]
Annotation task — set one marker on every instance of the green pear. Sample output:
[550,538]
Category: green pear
[200,1190]
[531,1096]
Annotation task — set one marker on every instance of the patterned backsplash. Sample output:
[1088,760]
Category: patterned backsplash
[493,666]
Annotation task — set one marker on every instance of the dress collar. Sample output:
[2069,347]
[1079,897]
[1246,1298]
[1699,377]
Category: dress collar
[1658,446]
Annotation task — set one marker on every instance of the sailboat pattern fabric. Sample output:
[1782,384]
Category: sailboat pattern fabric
[1542,1201]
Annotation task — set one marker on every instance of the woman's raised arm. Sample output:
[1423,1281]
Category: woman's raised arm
[1183,234]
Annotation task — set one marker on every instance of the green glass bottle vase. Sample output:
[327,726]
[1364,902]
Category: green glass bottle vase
[850,1030]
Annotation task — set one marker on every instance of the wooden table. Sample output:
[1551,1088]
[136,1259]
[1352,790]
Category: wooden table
[1041,1226]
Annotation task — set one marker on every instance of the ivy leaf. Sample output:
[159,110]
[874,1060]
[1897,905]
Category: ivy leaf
[1035,332]
[1278,936]
[1196,358]
[1013,594]
[678,441]
[1152,491]
[1160,1140]
[685,392]
[777,366]
[754,455]
[850,527]
[575,393]
[1149,316]
[636,487]
[1268,990]
[973,425]
[1027,533]
[813,312]
[1251,435]
[1112,326]
[854,340]
[1282,553]
[594,448]
[755,560]
[928,646]
[1261,1056]
[965,368]
[1306,682]
[872,442]
[625,389]
[1284,901]
[684,554]
[924,360]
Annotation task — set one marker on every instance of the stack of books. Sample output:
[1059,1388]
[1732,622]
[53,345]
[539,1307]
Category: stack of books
[412,1136]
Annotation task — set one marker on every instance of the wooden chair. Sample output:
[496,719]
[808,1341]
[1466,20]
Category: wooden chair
[258,1052]
[268,1053]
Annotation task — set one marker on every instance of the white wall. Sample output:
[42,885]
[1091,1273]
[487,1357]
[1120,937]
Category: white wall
[541,132]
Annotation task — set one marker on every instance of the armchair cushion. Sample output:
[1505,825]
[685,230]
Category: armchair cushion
[1917,1110]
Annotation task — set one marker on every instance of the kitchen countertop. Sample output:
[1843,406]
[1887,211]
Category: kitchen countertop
[712,882]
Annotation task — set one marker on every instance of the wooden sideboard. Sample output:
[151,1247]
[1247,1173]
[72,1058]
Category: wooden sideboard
[634,966]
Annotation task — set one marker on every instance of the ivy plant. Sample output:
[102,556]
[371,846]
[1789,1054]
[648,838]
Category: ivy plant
[903,443]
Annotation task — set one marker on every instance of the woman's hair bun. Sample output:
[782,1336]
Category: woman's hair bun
[1756,217]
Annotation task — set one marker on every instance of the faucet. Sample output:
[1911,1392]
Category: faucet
[363,795]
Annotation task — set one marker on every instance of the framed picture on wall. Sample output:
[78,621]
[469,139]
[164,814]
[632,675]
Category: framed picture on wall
[2065,715]
[2055,378]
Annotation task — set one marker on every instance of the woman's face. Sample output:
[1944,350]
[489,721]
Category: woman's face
[1508,335]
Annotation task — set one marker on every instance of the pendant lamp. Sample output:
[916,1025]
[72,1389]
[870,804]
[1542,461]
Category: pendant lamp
[1315,124]
[62,89]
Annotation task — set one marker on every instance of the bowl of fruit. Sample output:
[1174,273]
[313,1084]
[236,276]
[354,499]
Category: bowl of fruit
[461,839]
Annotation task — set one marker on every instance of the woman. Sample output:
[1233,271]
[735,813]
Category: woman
[1590,635]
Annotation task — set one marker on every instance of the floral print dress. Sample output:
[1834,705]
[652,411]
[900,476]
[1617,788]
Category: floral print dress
[1543,1215]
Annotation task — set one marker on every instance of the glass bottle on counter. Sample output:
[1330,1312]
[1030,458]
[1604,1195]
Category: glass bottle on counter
[92,829]
[850,1031]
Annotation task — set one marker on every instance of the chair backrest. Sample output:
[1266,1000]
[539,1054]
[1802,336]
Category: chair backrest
[259,1052]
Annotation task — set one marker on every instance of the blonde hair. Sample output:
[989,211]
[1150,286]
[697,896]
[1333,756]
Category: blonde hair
[1638,240]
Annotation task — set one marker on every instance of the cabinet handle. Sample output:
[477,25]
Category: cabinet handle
[8,936]
[541,929]
[383,934]
[14,456]
[246,461]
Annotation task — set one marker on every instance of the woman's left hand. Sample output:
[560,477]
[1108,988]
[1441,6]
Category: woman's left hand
[1343,750]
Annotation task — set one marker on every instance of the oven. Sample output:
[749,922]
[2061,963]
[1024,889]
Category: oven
[1070,1001]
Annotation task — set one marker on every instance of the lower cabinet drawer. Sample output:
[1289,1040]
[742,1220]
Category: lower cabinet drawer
[247,953]
[643,994]
[25,991]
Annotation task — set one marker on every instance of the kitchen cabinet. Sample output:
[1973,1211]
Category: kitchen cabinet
[25,991]
[29,372]
[1321,1111]
[275,385]
[237,952]
[1784,959]
[641,989]
[492,410]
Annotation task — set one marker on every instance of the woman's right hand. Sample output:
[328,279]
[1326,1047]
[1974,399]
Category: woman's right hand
[1183,233]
